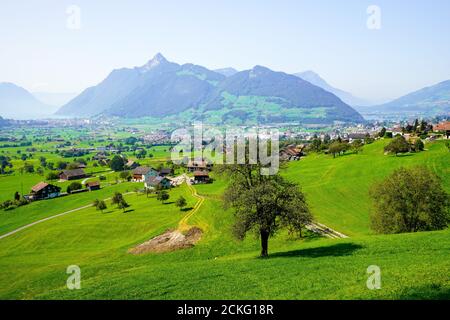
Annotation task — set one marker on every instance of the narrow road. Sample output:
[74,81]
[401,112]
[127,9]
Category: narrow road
[50,218]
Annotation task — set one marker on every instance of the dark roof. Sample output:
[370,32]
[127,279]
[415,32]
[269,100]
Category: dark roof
[165,170]
[39,186]
[155,180]
[142,170]
[197,164]
[74,173]
[357,135]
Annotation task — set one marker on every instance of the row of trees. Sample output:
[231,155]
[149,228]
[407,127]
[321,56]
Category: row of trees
[338,148]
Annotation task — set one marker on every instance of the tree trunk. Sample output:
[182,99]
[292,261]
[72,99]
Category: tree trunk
[264,243]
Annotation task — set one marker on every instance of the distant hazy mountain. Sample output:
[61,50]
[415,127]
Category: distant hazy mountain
[164,89]
[347,97]
[18,103]
[227,72]
[429,102]
[54,98]
[3,122]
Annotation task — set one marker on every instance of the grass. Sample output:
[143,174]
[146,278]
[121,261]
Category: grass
[413,266]
[338,189]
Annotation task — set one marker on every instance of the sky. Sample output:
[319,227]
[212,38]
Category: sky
[67,46]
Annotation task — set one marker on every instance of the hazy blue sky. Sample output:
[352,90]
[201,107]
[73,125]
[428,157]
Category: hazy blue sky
[411,50]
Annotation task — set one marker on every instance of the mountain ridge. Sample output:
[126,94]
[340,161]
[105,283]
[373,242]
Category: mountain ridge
[161,88]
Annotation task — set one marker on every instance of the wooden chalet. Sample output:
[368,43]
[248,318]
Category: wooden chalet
[140,173]
[43,191]
[201,177]
[153,182]
[291,153]
[196,165]
[92,186]
[165,172]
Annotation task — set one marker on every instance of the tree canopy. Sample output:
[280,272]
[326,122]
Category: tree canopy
[410,200]
[398,145]
[264,204]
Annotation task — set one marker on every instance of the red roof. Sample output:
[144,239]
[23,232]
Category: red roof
[93,184]
[444,126]
[201,174]
[39,186]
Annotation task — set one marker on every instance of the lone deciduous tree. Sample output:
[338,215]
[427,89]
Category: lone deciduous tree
[163,196]
[100,205]
[264,203]
[410,200]
[181,202]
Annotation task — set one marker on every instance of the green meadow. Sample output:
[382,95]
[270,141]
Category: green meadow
[413,266]
[338,189]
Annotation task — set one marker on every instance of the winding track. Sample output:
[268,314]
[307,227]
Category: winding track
[183,225]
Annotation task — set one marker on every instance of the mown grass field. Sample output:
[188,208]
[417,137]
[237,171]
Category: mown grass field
[338,189]
[413,266]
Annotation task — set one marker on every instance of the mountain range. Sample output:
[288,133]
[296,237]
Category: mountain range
[18,103]
[164,89]
[427,102]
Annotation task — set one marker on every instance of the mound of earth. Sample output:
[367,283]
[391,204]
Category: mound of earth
[170,240]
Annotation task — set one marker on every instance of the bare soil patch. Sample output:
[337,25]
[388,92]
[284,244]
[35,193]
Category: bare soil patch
[170,240]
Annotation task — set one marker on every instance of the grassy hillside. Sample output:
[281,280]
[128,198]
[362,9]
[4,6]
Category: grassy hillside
[34,261]
[338,189]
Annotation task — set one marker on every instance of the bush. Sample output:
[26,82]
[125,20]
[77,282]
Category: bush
[52,176]
[410,200]
[418,145]
[126,175]
[74,186]
[397,145]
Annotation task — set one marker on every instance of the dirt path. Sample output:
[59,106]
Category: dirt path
[50,218]
[183,225]
[325,231]
[185,236]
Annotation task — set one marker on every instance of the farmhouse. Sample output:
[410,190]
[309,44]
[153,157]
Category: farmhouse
[43,191]
[91,186]
[74,174]
[357,136]
[201,177]
[140,173]
[291,153]
[165,172]
[196,165]
[443,127]
[153,182]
